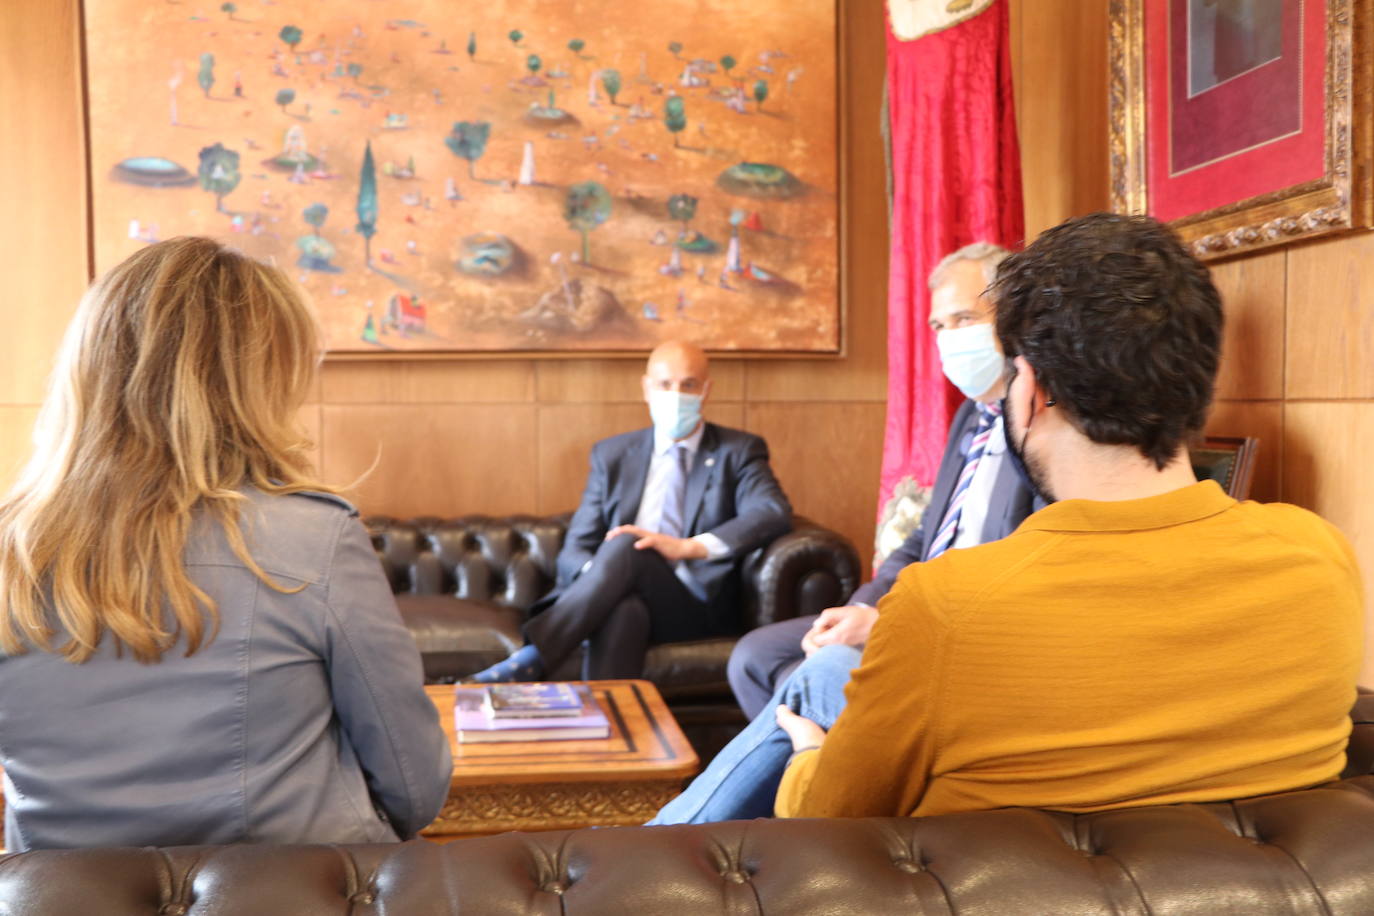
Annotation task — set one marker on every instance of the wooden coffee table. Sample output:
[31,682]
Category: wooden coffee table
[555,785]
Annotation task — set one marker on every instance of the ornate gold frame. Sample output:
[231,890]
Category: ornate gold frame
[1341,200]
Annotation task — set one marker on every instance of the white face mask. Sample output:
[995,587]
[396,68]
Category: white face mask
[675,413]
[970,358]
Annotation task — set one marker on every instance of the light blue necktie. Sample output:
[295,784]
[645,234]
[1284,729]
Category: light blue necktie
[674,489]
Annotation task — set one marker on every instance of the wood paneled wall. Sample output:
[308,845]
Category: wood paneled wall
[506,436]
[43,268]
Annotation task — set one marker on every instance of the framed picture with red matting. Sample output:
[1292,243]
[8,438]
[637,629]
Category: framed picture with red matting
[1243,123]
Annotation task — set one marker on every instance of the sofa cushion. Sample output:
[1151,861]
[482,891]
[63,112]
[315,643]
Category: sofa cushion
[690,670]
[458,636]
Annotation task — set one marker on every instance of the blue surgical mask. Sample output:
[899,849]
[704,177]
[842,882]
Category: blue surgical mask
[970,358]
[675,413]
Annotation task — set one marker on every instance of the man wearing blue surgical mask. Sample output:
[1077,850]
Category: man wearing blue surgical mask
[979,495]
[653,552]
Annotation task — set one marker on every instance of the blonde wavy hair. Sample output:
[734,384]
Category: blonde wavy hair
[177,385]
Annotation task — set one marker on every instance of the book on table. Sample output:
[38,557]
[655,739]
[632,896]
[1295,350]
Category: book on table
[473,724]
[505,701]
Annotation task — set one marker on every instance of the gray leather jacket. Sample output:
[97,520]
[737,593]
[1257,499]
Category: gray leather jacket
[303,721]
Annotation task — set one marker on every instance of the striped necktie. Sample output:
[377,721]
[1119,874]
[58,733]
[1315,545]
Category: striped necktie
[987,416]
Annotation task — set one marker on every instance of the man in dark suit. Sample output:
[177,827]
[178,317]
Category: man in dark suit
[653,551]
[992,504]
[979,496]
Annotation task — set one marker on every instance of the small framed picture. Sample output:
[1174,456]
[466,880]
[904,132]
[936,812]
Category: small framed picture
[1244,123]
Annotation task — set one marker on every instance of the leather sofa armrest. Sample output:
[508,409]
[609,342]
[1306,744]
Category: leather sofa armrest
[1359,754]
[803,572]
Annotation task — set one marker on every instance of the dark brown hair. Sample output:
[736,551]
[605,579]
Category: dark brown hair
[1122,326]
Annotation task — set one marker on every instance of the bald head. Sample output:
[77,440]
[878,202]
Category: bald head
[678,359]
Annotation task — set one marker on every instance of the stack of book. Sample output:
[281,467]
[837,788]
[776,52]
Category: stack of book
[527,712]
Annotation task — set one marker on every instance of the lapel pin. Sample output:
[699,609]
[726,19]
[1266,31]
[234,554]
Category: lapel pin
[710,462]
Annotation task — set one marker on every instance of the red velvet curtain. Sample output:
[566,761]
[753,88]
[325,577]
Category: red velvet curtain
[956,179]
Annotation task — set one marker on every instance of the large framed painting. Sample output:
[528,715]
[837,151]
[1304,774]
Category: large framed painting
[524,176]
[1244,123]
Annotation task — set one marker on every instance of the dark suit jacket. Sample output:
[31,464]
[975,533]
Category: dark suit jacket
[731,492]
[1011,502]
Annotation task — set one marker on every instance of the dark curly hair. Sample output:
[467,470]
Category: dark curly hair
[1122,326]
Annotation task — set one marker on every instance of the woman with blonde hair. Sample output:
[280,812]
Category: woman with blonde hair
[199,645]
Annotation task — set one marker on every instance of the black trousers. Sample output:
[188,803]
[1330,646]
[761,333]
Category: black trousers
[626,601]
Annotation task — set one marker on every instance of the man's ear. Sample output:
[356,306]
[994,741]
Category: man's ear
[705,390]
[644,387]
[1030,386]
[1021,389]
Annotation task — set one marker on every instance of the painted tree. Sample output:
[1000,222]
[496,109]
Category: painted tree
[610,80]
[683,207]
[675,48]
[367,204]
[727,63]
[533,63]
[285,97]
[355,70]
[219,172]
[468,140]
[588,205]
[206,76]
[315,215]
[228,8]
[291,35]
[674,116]
[515,36]
[576,46]
[472,45]
[760,92]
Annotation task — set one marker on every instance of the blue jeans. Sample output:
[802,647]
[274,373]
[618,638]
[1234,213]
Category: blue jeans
[742,781]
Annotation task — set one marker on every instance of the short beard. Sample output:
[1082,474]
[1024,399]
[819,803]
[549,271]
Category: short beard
[1034,467]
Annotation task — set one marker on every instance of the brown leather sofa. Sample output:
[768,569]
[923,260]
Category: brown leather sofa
[465,585]
[1308,852]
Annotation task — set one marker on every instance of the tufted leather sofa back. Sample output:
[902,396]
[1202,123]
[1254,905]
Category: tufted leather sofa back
[1307,852]
[511,561]
[508,560]
[1298,853]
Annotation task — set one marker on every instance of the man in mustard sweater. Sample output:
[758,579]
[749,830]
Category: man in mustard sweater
[1144,640]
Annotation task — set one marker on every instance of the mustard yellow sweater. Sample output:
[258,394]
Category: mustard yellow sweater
[1181,648]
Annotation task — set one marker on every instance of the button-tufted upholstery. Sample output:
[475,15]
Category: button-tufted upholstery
[465,586]
[1309,852]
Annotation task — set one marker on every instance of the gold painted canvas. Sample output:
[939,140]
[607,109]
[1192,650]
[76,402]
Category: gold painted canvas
[524,176]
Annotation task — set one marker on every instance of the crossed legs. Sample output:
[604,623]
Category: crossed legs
[625,601]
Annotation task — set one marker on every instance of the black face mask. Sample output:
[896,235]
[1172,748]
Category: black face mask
[1016,450]
[1018,462]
